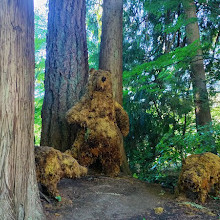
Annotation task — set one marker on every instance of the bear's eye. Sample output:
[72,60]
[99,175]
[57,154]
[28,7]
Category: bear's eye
[103,79]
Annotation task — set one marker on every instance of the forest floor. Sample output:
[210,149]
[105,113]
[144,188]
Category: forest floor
[123,198]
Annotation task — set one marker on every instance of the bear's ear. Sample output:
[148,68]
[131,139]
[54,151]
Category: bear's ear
[91,71]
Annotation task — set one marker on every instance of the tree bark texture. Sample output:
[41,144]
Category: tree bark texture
[202,109]
[110,57]
[66,71]
[19,198]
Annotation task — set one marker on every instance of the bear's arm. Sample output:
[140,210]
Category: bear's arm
[122,119]
[77,114]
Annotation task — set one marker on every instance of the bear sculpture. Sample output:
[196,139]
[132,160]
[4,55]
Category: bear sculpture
[53,165]
[200,173]
[102,122]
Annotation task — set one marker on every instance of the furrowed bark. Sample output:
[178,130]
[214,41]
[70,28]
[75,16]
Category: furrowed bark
[19,196]
[66,71]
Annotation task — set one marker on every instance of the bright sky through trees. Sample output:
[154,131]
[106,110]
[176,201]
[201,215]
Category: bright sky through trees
[40,5]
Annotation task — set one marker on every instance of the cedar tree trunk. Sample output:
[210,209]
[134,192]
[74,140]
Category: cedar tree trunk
[110,57]
[202,109]
[66,70]
[19,198]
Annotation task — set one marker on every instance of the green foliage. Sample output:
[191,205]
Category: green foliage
[170,151]
[181,57]
[136,34]
[58,198]
[209,23]
[194,205]
[160,7]
[157,88]
[40,47]
[93,26]
[215,197]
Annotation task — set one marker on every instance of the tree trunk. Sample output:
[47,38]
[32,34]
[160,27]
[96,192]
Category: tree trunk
[110,57]
[19,198]
[66,71]
[202,109]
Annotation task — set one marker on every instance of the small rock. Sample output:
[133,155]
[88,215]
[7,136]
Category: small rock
[57,214]
[158,210]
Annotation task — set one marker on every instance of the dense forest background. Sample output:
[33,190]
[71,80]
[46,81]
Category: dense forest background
[157,87]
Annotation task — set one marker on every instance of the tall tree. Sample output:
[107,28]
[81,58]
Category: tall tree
[110,57]
[66,70]
[19,197]
[202,109]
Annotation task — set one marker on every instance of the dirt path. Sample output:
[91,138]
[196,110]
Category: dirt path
[105,198]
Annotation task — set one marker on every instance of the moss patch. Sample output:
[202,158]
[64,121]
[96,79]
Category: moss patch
[53,165]
[200,174]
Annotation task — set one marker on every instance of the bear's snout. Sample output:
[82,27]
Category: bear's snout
[103,79]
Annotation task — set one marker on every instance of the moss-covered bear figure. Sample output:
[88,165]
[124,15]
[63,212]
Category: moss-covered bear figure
[200,173]
[102,121]
[52,165]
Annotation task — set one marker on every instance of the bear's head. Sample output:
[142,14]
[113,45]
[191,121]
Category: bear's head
[100,81]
